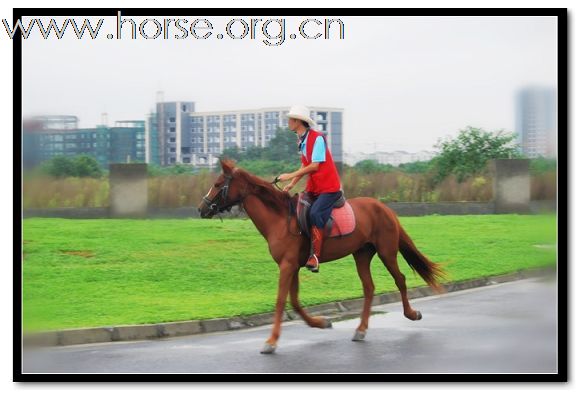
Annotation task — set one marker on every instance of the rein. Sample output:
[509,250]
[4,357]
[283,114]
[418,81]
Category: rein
[275,183]
[222,196]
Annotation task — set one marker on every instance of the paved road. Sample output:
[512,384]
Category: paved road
[509,327]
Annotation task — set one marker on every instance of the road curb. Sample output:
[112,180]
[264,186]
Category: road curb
[335,311]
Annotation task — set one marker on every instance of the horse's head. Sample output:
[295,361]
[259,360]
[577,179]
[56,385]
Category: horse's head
[224,193]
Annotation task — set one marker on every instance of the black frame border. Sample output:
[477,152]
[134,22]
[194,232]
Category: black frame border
[562,201]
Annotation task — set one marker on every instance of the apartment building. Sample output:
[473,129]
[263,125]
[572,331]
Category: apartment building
[45,137]
[198,138]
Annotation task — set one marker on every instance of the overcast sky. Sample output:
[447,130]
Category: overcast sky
[403,82]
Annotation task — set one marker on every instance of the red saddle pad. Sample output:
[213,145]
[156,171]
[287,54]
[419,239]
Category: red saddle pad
[344,221]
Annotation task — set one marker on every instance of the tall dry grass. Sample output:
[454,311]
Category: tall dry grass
[401,187]
[179,191]
[543,186]
[187,190]
[50,192]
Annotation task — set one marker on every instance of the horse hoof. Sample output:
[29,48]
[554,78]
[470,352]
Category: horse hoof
[419,316]
[327,324]
[359,336]
[268,349]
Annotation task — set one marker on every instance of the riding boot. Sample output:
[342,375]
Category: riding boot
[317,235]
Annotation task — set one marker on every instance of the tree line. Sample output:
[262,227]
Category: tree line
[463,156]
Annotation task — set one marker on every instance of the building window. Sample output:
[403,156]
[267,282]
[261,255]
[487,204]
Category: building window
[172,129]
[171,120]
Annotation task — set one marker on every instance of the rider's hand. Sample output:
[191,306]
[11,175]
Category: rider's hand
[285,177]
[288,187]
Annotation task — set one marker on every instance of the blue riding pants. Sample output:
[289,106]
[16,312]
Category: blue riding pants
[322,208]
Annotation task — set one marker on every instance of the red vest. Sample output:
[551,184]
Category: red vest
[326,178]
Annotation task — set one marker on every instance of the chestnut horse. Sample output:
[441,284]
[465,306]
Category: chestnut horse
[377,231]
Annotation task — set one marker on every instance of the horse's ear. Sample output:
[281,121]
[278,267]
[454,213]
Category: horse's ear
[226,166]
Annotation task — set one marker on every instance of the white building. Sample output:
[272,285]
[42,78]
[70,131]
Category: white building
[198,138]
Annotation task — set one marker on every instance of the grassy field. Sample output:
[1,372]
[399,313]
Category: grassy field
[82,273]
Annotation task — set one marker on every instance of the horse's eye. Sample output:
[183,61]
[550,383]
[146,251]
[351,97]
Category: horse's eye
[216,185]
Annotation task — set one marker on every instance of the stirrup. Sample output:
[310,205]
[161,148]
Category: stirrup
[313,268]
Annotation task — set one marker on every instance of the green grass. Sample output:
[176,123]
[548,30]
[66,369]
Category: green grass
[147,271]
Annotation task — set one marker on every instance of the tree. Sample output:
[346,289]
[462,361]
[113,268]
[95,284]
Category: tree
[154,170]
[268,168]
[542,165]
[419,166]
[282,147]
[80,166]
[87,166]
[58,166]
[280,156]
[369,166]
[469,153]
[231,153]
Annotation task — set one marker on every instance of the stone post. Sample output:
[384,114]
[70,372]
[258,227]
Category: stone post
[511,185]
[128,190]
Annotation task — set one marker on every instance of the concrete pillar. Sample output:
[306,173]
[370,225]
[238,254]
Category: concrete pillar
[511,185]
[128,189]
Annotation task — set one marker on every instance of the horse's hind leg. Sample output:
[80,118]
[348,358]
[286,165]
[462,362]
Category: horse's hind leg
[315,322]
[390,262]
[363,259]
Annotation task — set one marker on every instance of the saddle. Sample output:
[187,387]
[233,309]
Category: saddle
[340,223]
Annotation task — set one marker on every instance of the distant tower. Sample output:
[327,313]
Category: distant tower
[536,121]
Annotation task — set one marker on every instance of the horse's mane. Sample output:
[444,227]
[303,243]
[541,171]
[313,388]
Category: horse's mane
[271,197]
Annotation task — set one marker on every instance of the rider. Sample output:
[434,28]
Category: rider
[323,181]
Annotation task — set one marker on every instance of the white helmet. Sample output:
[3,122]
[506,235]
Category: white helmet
[301,112]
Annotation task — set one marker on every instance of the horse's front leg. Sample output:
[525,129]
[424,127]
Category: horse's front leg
[314,322]
[286,272]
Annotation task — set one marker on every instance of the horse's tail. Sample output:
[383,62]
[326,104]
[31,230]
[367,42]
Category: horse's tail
[428,270]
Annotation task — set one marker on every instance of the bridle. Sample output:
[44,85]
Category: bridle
[222,195]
